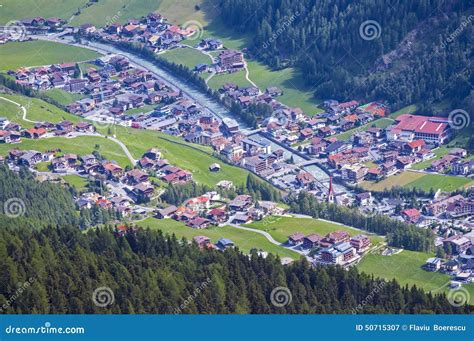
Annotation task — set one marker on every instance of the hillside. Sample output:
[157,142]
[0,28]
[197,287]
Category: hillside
[408,52]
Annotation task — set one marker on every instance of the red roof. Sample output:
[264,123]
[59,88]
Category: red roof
[416,144]
[421,124]
[411,212]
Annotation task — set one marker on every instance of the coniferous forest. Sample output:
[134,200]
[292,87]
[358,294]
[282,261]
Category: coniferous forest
[150,273]
[404,52]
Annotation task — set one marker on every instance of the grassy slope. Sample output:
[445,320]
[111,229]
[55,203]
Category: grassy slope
[245,240]
[37,110]
[192,157]
[406,268]
[79,145]
[63,97]
[281,227]
[419,180]
[19,9]
[36,53]
[108,11]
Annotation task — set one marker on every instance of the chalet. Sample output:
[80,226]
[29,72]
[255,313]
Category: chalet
[112,170]
[84,127]
[334,238]
[143,189]
[199,223]
[76,85]
[34,133]
[433,264]
[136,176]
[202,241]
[153,154]
[225,243]
[364,199]
[218,215]
[296,239]
[230,59]
[167,212]
[65,126]
[241,218]
[241,203]
[411,215]
[353,173]
[457,243]
[30,158]
[311,241]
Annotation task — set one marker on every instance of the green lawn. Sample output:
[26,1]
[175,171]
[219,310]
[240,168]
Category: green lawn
[182,11]
[16,10]
[238,78]
[420,181]
[105,12]
[399,179]
[192,157]
[80,145]
[145,108]
[442,182]
[37,53]
[281,227]
[186,56]
[295,92]
[245,240]
[75,180]
[63,97]
[37,110]
[405,267]
[380,123]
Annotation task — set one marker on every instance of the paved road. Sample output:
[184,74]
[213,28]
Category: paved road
[265,234]
[120,143]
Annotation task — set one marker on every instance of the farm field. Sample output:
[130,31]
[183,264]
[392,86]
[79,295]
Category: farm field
[405,267]
[245,240]
[399,179]
[186,56]
[281,227]
[79,145]
[37,53]
[16,10]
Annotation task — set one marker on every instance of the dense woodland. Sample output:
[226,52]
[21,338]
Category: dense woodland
[399,234]
[151,273]
[422,52]
[39,204]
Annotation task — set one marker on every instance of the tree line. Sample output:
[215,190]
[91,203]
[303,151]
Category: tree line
[147,272]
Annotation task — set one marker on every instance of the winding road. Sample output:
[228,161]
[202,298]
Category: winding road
[120,143]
